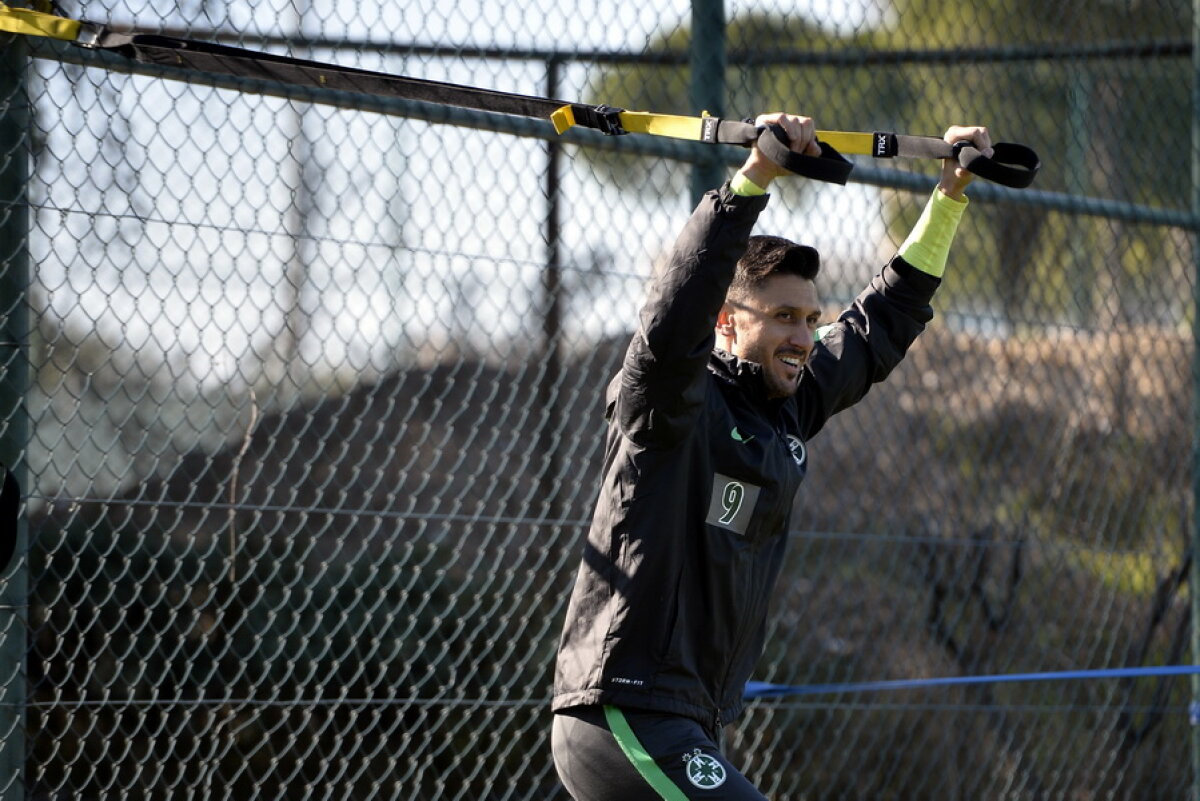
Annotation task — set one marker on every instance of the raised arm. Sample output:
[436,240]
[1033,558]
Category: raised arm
[872,336]
[661,386]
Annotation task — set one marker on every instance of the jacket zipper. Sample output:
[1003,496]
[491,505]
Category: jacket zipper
[740,645]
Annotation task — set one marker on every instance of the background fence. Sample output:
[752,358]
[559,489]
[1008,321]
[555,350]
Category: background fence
[306,399]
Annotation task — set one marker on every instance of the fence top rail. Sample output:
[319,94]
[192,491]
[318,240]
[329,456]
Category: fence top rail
[856,56]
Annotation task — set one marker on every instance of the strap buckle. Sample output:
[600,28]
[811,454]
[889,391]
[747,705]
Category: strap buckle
[606,119]
[89,35]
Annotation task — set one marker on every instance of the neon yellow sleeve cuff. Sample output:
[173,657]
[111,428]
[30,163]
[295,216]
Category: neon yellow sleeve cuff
[741,185]
[928,246]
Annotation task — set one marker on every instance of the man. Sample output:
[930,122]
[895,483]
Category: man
[723,384]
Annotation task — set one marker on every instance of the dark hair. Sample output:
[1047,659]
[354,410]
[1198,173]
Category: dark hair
[766,256]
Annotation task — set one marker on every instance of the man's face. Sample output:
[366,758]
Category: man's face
[773,326]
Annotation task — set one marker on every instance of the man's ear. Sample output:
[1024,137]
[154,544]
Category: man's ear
[724,325]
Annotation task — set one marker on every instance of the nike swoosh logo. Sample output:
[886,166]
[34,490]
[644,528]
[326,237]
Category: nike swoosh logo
[737,435]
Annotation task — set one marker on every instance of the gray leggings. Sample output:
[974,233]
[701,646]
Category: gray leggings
[607,754]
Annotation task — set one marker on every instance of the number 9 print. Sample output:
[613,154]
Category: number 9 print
[731,500]
[732,503]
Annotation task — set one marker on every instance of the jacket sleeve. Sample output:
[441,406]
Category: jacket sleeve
[659,393]
[868,340]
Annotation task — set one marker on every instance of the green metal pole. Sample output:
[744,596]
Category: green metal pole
[1078,183]
[14,384]
[552,301]
[707,87]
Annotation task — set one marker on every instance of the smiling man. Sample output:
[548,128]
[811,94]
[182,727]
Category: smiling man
[722,386]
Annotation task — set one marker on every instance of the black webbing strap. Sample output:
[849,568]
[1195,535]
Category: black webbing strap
[242,63]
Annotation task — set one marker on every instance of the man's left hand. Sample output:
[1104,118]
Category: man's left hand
[954,178]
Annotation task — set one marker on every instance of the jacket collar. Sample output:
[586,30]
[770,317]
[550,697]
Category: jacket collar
[746,375]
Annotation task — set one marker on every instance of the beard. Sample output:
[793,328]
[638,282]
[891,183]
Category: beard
[777,377]
[779,386]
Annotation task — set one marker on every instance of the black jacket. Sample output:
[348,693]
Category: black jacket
[670,605]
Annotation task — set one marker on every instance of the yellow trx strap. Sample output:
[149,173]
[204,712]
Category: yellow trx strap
[37,23]
[662,124]
[640,122]
[858,144]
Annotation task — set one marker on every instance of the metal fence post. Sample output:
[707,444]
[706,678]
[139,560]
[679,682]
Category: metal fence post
[1194,577]
[14,381]
[707,87]
[552,291]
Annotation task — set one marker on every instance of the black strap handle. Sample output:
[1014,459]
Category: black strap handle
[830,166]
[1010,164]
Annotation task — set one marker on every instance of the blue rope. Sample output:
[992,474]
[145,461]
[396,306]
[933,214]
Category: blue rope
[763,689]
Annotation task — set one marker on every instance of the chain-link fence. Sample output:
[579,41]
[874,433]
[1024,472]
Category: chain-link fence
[306,401]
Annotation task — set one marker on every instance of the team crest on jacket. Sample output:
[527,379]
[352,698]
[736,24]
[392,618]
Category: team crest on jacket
[796,446]
[704,771]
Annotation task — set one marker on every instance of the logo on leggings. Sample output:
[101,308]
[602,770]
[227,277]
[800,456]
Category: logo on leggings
[704,771]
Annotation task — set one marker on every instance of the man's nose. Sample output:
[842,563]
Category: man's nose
[802,339]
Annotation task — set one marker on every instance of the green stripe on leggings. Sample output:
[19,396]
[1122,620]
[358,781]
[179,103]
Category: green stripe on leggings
[637,756]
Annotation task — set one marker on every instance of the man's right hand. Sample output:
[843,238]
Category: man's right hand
[802,132]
